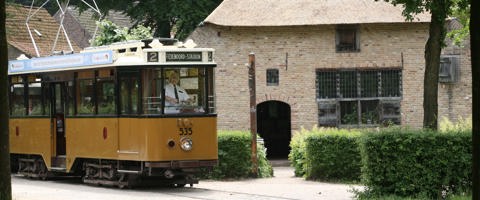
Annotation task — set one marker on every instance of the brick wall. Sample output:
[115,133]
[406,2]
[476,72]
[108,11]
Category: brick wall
[455,100]
[310,48]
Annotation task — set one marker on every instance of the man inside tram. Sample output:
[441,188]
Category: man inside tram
[175,95]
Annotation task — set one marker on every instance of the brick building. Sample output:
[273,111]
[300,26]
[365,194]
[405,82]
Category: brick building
[343,63]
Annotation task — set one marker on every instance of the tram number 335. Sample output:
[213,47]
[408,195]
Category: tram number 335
[185,131]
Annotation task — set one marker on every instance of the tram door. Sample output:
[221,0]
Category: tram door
[58,116]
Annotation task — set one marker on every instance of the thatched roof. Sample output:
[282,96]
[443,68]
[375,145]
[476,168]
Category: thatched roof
[306,12]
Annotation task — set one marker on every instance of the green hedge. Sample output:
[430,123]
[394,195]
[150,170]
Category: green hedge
[326,154]
[234,157]
[416,163]
[297,152]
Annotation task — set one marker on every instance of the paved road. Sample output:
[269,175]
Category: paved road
[283,186]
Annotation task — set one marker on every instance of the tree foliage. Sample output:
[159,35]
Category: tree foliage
[439,10]
[166,17]
[110,33]
[462,14]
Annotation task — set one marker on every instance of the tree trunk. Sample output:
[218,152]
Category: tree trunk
[162,29]
[475,51]
[5,180]
[433,49]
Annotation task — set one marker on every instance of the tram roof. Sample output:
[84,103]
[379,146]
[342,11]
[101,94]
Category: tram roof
[132,53]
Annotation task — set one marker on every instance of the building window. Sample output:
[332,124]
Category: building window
[347,38]
[272,77]
[359,97]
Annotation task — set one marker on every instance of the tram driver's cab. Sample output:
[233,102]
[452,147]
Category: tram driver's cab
[176,90]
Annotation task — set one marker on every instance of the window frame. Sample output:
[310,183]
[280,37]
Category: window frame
[21,80]
[330,112]
[340,32]
[272,79]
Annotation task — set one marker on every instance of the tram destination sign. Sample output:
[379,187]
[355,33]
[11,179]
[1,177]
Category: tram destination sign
[183,56]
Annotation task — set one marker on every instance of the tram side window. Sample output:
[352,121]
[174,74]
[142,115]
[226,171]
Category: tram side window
[85,101]
[211,91]
[128,95]
[106,92]
[35,105]
[151,100]
[17,92]
[70,95]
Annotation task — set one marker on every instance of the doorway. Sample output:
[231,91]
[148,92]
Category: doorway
[274,126]
[58,116]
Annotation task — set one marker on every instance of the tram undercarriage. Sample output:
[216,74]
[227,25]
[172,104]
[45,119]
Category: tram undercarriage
[121,174]
[33,168]
[130,174]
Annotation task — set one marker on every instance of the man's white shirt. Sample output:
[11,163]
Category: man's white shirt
[170,92]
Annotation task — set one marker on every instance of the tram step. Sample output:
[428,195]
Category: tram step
[58,169]
[129,171]
[26,160]
[59,162]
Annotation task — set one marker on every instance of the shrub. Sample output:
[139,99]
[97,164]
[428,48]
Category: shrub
[234,157]
[264,167]
[332,154]
[326,154]
[297,153]
[462,125]
[413,163]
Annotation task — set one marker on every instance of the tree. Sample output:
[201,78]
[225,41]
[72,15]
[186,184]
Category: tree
[439,10]
[462,14]
[5,180]
[475,51]
[110,33]
[166,17]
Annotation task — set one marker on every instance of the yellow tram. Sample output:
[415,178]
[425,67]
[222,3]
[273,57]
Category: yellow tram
[107,114]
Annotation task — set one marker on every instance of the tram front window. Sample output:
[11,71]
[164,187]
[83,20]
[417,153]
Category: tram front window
[184,90]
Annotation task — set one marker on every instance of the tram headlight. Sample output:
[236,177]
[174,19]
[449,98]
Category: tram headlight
[186,144]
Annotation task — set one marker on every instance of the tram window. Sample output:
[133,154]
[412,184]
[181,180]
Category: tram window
[124,96]
[18,100]
[128,95]
[85,101]
[35,106]
[46,97]
[106,96]
[211,92]
[185,90]
[70,98]
[151,100]
[134,95]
